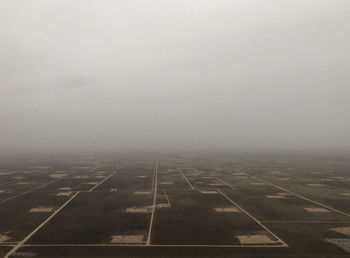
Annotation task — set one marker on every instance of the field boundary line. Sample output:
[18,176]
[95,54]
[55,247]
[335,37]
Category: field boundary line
[166,196]
[25,178]
[30,190]
[251,216]
[93,188]
[154,202]
[225,183]
[300,196]
[153,245]
[304,221]
[183,175]
[16,247]
[43,185]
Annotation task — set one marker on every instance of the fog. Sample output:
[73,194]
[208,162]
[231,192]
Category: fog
[184,74]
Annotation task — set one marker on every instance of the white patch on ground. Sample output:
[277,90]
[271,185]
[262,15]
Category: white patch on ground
[5,173]
[128,239]
[275,196]
[100,177]
[3,238]
[227,209]
[18,177]
[338,177]
[65,189]
[327,179]
[57,175]
[209,192]
[346,194]
[285,194]
[2,191]
[316,209]
[24,183]
[141,176]
[42,167]
[64,194]
[342,230]
[91,183]
[142,193]
[24,254]
[166,183]
[316,185]
[114,190]
[216,184]
[146,209]
[283,178]
[41,209]
[81,177]
[163,205]
[256,239]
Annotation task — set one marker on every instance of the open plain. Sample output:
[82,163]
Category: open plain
[175,205]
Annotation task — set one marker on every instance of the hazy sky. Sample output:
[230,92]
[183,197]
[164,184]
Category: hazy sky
[210,74]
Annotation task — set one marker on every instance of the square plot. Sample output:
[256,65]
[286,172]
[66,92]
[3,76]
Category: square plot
[316,185]
[146,209]
[42,209]
[275,196]
[64,194]
[91,183]
[128,239]
[65,189]
[209,192]
[227,209]
[316,209]
[142,192]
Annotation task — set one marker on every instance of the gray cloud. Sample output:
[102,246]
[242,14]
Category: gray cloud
[174,74]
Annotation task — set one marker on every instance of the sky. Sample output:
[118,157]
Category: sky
[164,75]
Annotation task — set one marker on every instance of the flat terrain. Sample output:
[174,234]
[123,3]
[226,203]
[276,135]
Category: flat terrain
[191,206]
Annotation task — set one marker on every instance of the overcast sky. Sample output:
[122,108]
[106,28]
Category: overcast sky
[235,74]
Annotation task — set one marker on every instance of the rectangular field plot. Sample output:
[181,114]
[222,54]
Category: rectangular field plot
[99,217]
[137,179]
[169,177]
[269,204]
[193,219]
[21,215]
[327,194]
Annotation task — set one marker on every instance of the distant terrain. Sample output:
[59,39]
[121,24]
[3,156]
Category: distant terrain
[175,205]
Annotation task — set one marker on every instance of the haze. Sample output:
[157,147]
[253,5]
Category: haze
[105,75]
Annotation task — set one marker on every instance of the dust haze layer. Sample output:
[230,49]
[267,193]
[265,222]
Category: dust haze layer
[194,74]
